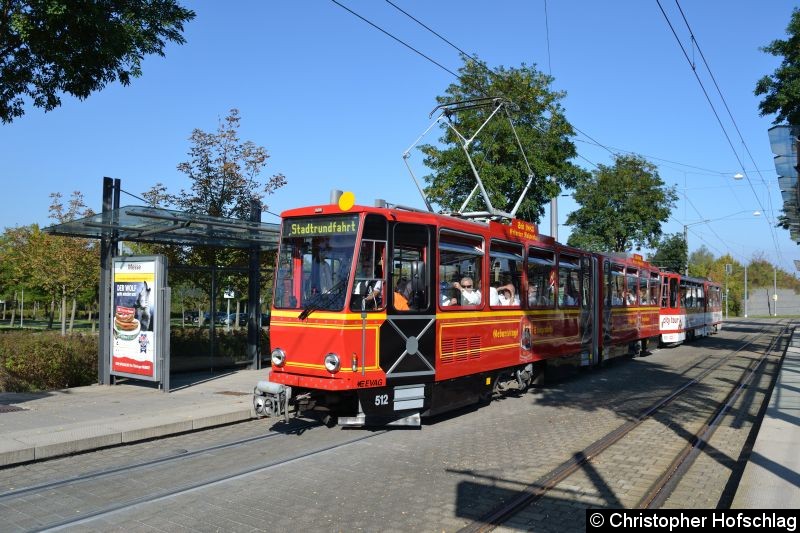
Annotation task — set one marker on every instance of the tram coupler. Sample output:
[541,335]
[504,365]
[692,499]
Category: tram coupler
[272,399]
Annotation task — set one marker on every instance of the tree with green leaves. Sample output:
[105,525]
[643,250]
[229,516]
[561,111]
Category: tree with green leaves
[543,131]
[734,282]
[781,90]
[64,268]
[670,253]
[621,206]
[701,263]
[54,47]
[226,176]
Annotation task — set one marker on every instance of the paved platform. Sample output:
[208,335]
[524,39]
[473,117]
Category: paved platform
[771,479]
[54,423]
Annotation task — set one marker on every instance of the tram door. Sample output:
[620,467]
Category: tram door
[590,315]
[407,338]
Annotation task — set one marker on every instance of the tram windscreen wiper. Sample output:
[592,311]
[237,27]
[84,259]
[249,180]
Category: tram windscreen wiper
[326,297]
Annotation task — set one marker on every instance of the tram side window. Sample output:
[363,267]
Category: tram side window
[370,282]
[632,288]
[541,278]
[408,278]
[715,297]
[568,276]
[644,294]
[655,288]
[460,276]
[505,273]
[684,296]
[617,286]
[701,298]
[673,292]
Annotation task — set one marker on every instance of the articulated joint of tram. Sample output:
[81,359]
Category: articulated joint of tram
[272,399]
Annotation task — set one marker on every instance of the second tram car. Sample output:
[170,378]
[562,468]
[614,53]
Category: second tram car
[690,307]
[384,315]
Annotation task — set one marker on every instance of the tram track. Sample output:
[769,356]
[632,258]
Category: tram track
[530,494]
[183,455]
[179,489]
[663,488]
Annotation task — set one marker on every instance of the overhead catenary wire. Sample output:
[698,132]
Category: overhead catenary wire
[610,149]
[721,125]
[485,67]
[733,120]
[724,102]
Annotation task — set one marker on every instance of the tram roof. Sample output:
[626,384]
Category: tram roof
[165,226]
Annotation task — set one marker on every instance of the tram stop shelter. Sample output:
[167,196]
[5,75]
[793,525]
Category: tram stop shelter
[155,225]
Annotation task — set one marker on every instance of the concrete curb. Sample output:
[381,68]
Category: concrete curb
[46,443]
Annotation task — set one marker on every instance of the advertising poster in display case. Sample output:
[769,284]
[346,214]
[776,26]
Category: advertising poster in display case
[136,321]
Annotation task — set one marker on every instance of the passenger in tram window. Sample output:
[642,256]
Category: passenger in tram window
[470,295]
[371,288]
[507,295]
[533,295]
[630,298]
[401,291]
[494,296]
[616,298]
[569,298]
[448,295]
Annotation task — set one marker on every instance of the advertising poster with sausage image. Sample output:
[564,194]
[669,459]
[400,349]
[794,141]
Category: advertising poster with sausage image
[133,340]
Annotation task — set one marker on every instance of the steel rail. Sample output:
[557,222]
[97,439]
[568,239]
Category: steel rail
[197,485]
[665,485]
[536,490]
[137,466]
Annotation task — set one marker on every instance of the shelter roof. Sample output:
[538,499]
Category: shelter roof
[165,226]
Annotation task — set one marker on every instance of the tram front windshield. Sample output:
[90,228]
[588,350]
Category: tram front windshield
[315,258]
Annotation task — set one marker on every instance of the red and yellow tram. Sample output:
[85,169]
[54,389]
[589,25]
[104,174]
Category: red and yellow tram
[384,315]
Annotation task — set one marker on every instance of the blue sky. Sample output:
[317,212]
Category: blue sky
[336,102]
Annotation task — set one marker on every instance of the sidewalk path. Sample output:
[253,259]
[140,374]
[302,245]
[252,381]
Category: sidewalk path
[771,479]
[36,426]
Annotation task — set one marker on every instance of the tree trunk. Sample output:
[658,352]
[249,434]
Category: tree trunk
[13,310]
[52,314]
[72,315]
[63,311]
[238,309]
[4,309]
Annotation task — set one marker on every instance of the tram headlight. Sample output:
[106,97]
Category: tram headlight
[332,363]
[278,357]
